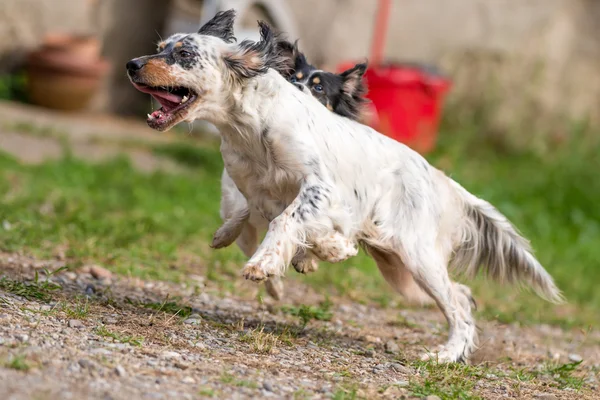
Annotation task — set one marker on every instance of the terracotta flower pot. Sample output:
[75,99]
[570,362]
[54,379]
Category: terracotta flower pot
[85,47]
[65,72]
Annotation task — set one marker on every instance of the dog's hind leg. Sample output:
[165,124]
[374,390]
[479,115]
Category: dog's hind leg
[429,268]
[399,277]
[231,229]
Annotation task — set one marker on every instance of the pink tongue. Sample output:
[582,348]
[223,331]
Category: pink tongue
[166,99]
[168,102]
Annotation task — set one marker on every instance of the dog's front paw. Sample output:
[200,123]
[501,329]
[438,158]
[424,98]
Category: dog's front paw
[334,248]
[261,267]
[254,273]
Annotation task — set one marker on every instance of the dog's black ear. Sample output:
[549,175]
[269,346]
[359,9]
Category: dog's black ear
[286,51]
[353,93]
[221,26]
[250,58]
[353,80]
[300,61]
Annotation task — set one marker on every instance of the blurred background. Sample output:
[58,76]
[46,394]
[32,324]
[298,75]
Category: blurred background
[513,113]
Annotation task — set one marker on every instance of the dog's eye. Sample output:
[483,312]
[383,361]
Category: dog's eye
[185,54]
[318,88]
[293,79]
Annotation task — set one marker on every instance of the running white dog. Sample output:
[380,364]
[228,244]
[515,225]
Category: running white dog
[325,182]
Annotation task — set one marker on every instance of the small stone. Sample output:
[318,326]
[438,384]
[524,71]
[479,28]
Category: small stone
[372,339]
[267,386]
[432,397]
[90,290]
[369,353]
[192,321]
[71,275]
[75,323]
[83,363]
[170,354]
[399,367]
[181,365]
[188,379]
[101,351]
[22,338]
[99,272]
[393,392]
[74,367]
[6,225]
[401,383]
[120,371]
[575,358]
[545,396]
[391,347]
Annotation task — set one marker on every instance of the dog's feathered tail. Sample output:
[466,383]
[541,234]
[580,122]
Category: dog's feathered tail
[490,241]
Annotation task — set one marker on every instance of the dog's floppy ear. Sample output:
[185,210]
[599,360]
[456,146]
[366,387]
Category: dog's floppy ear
[353,92]
[250,59]
[221,26]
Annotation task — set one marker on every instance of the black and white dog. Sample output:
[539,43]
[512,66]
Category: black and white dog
[323,182]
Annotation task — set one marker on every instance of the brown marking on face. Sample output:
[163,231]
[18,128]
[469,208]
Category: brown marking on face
[317,80]
[299,75]
[162,45]
[329,107]
[157,73]
[178,45]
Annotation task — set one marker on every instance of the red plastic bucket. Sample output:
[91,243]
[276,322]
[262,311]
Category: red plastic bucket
[407,101]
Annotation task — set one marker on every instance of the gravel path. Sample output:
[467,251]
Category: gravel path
[106,337]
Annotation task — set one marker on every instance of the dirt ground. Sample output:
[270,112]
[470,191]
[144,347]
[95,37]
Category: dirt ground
[102,336]
[98,339]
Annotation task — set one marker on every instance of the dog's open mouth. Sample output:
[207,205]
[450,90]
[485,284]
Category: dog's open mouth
[174,102]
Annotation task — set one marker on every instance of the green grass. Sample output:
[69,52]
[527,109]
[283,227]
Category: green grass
[170,307]
[308,313]
[563,376]
[346,392]
[149,225]
[447,381]
[78,310]
[230,379]
[118,337]
[34,290]
[19,363]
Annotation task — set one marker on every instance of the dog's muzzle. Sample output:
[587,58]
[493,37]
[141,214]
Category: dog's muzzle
[133,66]
[301,87]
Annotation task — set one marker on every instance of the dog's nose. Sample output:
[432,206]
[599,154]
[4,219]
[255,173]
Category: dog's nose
[302,87]
[134,65]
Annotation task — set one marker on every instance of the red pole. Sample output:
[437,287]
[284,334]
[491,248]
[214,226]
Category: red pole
[379,34]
